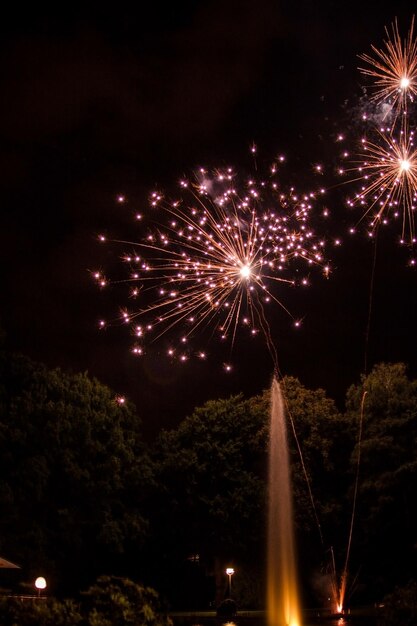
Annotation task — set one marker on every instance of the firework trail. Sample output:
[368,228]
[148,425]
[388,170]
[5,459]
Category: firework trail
[215,261]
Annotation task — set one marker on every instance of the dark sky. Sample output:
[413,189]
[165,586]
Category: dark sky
[101,103]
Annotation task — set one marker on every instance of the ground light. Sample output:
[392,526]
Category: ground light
[40,584]
[230,571]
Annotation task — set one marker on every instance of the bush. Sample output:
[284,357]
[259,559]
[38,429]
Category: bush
[120,601]
[110,601]
[400,606]
[39,612]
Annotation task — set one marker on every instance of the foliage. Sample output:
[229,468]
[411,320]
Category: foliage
[120,601]
[386,519]
[400,606]
[39,612]
[320,441]
[108,602]
[80,495]
[212,493]
[213,475]
[73,471]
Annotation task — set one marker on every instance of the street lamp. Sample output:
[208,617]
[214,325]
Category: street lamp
[40,584]
[230,571]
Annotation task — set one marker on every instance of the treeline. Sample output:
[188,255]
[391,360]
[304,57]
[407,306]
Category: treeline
[82,495]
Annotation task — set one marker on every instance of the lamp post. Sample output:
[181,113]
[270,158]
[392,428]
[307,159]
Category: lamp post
[40,584]
[230,571]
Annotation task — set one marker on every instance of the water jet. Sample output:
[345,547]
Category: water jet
[283,606]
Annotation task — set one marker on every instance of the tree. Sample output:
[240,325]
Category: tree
[320,440]
[73,472]
[213,472]
[385,526]
[400,606]
[113,600]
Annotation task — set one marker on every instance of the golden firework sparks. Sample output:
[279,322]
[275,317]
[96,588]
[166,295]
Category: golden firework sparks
[387,170]
[216,258]
[394,70]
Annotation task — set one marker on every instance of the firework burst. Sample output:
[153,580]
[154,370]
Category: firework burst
[386,163]
[216,258]
[394,70]
[387,169]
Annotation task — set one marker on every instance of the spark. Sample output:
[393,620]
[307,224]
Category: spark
[394,69]
[217,257]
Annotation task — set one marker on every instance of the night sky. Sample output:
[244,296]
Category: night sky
[101,103]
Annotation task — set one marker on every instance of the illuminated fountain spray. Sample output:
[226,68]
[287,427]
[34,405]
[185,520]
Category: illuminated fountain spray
[282,589]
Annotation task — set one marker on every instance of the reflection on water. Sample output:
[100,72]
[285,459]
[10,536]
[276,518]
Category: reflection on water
[258,618]
[258,622]
[263,622]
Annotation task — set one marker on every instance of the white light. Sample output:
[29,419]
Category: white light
[40,583]
[245,271]
[405,82]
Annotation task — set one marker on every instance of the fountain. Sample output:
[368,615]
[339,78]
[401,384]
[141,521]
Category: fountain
[283,607]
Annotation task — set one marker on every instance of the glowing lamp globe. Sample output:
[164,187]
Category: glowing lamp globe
[40,583]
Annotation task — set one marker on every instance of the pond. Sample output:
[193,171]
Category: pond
[366,616]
